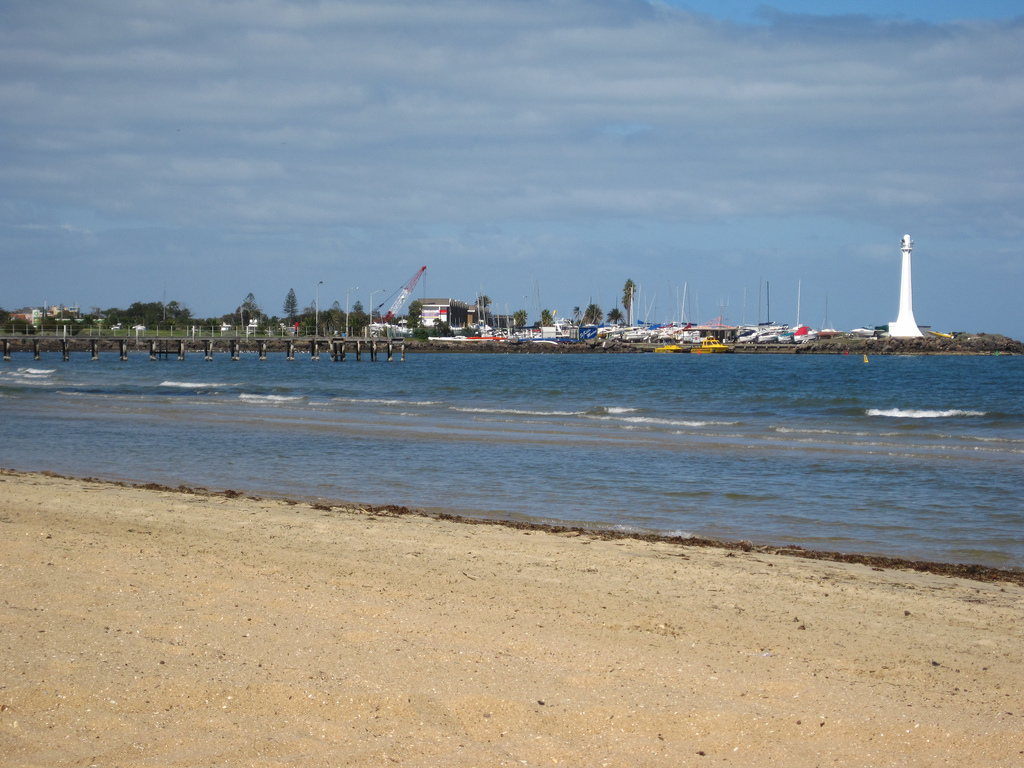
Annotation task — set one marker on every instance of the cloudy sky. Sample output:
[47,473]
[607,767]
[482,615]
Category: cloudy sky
[538,151]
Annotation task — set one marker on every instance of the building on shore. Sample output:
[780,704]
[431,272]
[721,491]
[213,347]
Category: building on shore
[451,311]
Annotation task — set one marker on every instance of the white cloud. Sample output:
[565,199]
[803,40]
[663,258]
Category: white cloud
[542,122]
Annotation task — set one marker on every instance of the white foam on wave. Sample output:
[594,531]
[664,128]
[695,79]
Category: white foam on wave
[30,376]
[269,398]
[516,412]
[664,422]
[809,431]
[1000,440]
[914,413]
[681,534]
[616,410]
[384,401]
[191,384]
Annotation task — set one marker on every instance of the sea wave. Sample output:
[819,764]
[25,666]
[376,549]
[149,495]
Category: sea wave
[913,413]
[664,422]
[385,401]
[192,384]
[515,411]
[28,376]
[270,398]
[614,410]
[841,432]
[679,533]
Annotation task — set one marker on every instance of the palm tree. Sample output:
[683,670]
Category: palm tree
[628,292]
[483,301]
[546,317]
[519,318]
[593,315]
[615,315]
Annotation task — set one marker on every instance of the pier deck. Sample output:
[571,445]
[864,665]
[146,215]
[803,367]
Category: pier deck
[178,346]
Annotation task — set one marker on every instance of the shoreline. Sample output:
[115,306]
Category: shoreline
[972,571]
[151,626]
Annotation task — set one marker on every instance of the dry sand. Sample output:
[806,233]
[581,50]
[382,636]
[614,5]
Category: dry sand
[149,627]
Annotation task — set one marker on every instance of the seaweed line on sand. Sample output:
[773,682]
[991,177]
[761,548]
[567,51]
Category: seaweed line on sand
[877,562]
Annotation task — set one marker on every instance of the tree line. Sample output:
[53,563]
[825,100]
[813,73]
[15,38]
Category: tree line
[329,320]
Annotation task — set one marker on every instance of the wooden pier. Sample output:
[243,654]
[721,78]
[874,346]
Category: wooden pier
[164,348]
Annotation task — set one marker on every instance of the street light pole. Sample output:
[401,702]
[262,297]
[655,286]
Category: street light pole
[316,326]
[380,290]
[348,294]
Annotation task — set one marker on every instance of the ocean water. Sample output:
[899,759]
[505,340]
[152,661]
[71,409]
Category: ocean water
[918,457]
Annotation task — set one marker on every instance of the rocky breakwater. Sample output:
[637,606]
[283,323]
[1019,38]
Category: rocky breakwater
[964,344]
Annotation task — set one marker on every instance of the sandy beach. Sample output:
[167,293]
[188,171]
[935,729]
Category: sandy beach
[145,626]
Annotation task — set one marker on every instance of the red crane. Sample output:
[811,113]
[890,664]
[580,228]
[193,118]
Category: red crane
[403,295]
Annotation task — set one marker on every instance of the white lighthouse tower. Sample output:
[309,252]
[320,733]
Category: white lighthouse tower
[905,326]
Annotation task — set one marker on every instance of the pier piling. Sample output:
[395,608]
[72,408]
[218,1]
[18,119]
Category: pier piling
[162,348]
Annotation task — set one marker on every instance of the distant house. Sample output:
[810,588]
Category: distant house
[718,331]
[32,315]
[59,310]
[451,311]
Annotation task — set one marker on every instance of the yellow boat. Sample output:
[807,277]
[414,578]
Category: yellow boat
[669,348]
[709,345]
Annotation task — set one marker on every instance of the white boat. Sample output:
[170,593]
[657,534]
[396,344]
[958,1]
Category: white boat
[746,334]
[804,334]
[769,333]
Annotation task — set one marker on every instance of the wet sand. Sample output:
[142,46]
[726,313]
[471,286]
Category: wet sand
[154,627]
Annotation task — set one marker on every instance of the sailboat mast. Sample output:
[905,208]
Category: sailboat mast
[798,303]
